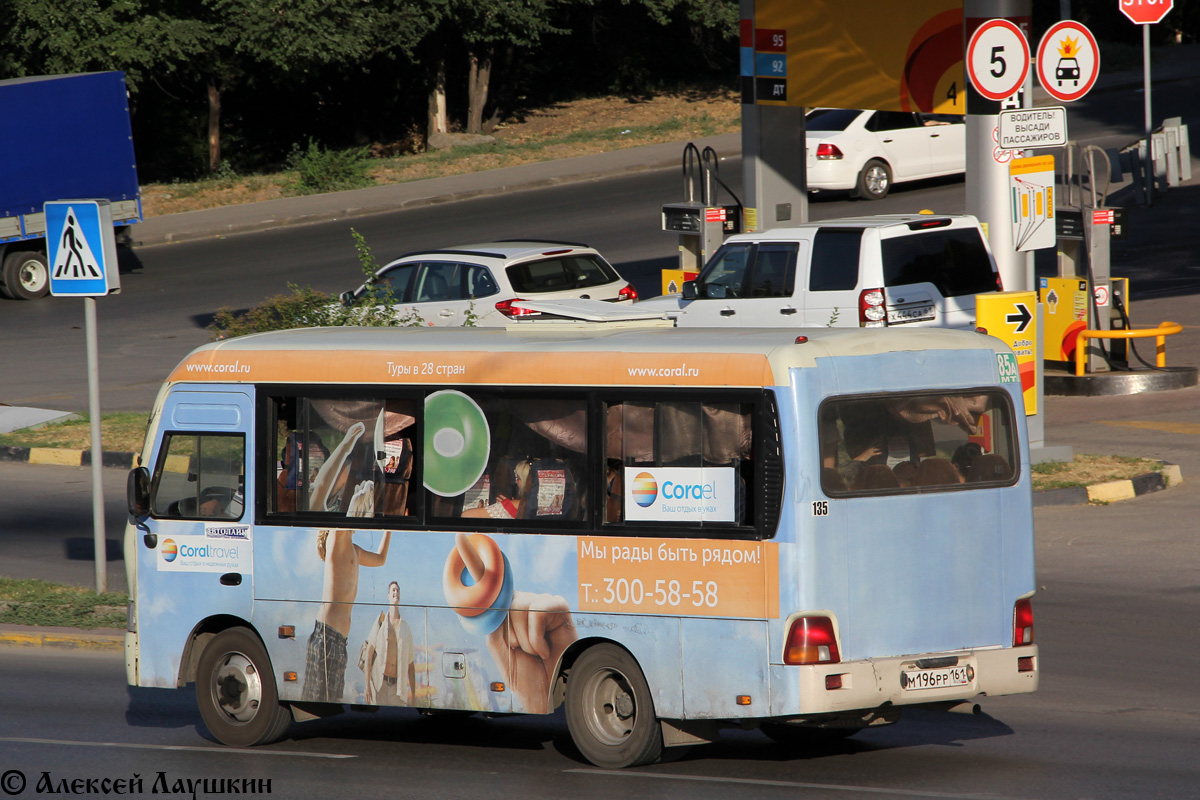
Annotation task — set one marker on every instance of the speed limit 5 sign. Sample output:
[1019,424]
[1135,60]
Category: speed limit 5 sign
[997,59]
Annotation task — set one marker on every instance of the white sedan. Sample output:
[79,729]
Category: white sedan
[478,284]
[867,151]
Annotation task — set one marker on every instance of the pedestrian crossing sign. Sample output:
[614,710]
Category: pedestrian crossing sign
[82,248]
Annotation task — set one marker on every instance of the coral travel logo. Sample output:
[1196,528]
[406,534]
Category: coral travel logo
[645,489]
[169,550]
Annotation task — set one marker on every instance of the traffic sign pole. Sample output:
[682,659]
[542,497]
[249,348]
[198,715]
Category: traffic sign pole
[1148,172]
[999,61]
[1147,13]
[99,539]
[82,254]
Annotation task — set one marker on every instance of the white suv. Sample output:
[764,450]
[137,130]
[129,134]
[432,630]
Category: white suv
[442,287]
[892,269]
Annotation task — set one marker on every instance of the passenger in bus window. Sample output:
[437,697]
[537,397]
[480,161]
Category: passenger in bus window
[937,472]
[325,664]
[990,467]
[906,473]
[965,455]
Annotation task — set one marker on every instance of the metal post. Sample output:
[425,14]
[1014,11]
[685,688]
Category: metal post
[1149,166]
[93,361]
[987,191]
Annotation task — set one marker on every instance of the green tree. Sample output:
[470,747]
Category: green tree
[253,40]
[142,38]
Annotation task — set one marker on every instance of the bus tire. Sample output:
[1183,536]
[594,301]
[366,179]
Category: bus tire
[609,709]
[25,275]
[236,692]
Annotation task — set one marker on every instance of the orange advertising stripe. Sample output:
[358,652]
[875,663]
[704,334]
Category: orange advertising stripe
[679,577]
[508,368]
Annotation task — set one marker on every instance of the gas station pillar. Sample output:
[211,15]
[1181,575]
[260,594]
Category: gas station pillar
[988,196]
[773,178]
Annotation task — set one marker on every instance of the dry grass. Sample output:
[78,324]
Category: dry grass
[120,432]
[564,130]
[1086,470]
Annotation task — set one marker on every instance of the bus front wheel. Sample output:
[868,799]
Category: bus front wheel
[236,692]
[609,709]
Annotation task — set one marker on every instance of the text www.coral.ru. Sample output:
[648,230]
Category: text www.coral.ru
[234,367]
[682,371]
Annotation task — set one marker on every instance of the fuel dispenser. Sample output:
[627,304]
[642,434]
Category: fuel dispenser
[701,223]
[1084,295]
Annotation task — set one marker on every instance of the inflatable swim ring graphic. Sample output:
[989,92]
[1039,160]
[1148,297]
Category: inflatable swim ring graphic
[478,583]
[457,443]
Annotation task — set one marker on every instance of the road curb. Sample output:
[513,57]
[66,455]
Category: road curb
[1111,491]
[28,636]
[65,457]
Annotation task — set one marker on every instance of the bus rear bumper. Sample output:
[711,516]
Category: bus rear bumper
[934,678]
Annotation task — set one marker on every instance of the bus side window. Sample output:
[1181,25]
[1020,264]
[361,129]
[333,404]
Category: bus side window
[685,434]
[200,476]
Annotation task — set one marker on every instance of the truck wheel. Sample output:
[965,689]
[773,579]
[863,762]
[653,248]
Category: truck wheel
[25,275]
[874,180]
[235,689]
[609,710]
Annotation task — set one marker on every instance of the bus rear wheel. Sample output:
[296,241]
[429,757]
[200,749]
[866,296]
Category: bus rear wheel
[236,692]
[609,709]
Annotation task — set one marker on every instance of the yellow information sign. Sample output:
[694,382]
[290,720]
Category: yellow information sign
[673,280]
[1012,318]
[1065,301]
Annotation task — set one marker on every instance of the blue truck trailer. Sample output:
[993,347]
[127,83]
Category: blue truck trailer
[62,137]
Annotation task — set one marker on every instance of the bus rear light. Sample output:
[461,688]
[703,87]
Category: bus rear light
[811,640]
[833,682]
[1025,664]
[1023,622]
[872,309]
[999,282]
[627,293]
[507,308]
[828,152]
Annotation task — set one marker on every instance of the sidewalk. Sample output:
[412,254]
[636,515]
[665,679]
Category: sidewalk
[290,211]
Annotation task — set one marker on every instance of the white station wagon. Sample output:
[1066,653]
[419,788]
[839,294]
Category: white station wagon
[442,287]
[890,269]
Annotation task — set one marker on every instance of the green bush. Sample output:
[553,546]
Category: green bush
[321,170]
[305,307]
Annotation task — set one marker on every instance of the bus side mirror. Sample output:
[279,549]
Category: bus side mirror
[689,290]
[137,492]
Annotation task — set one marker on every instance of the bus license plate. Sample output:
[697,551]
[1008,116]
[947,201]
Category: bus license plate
[916,679]
[899,316]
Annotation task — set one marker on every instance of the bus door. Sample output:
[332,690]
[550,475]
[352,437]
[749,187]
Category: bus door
[194,549]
